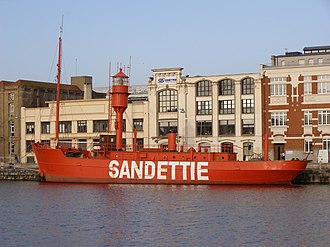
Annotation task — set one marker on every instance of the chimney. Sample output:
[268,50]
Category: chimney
[84,83]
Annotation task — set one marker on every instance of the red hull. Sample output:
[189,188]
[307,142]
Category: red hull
[163,168]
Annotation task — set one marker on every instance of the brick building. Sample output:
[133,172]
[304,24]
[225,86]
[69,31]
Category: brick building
[26,93]
[296,103]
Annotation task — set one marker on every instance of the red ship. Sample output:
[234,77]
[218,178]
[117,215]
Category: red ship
[154,165]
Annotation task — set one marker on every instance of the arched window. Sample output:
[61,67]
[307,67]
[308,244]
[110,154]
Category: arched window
[205,146]
[227,147]
[226,87]
[247,149]
[248,86]
[204,88]
[168,101]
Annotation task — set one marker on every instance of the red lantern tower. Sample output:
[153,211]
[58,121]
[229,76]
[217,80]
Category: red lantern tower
[119,101]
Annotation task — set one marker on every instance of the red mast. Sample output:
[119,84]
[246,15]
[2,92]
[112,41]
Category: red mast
[58,88]
[119,102]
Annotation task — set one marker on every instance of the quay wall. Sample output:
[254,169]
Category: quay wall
[18,172]
[314,174]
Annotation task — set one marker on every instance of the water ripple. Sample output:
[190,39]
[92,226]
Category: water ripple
[41,214]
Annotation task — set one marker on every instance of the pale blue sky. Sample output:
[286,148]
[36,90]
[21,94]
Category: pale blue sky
[205,37]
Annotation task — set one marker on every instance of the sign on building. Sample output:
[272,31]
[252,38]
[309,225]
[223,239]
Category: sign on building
[323,156]
[166,80]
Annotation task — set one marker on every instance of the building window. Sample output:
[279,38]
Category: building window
[30,160]
[247,86]
[307,118]
[323,87]
[124,125]
[11,109]
[204,128]
[82,144]
[307,88]
[324,117]
[320,61]
[308,146]
[65,127]
[28,146]
[139,143]
[247,106]
[310,61]
[326,143]
[278,89]
[45,127]
[247,149]
[11,128]
[278,119]
[226,107]
[100,125]
[168,127]
[82,126]
[226,87]
[65,143]
[204,88]
[301,61]
[168,101]
[204,107]
[45,142]
[138,124]
[227,147]
[247,127]
[12,147]
[11,96]
[205,146]
[30,128]
[227,127]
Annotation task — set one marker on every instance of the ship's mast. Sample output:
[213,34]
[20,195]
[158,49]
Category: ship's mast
[58,88]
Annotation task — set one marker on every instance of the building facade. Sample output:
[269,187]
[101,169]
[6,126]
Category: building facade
[23,93]
[296,103]
[83,123]
[218,113]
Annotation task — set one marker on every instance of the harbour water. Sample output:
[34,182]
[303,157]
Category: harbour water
[44,214]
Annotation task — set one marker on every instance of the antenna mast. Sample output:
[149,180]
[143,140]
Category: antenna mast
[109,107]
[58,88]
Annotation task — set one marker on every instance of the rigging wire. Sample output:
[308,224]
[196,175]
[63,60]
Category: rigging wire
[51,68]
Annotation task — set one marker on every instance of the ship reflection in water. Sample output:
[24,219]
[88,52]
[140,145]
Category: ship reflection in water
[43,214]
